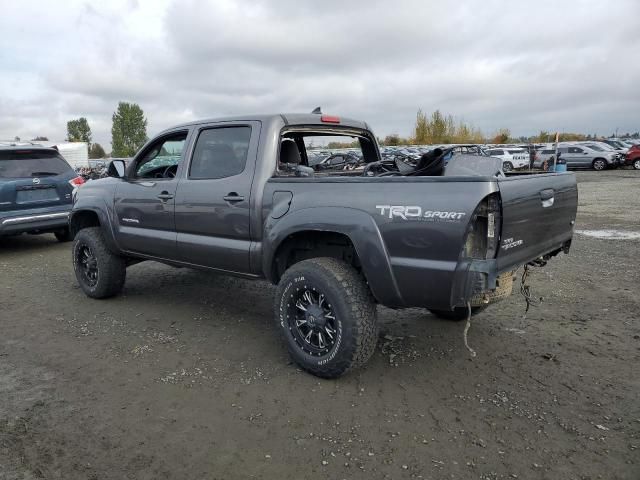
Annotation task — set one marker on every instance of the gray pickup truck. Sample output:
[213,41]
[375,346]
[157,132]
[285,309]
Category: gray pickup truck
[236,195]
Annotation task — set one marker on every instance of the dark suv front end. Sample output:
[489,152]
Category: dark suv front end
[36,187]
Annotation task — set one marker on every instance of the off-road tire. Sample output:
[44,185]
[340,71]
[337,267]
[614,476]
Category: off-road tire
[599,164]
[351,303]
[507,166]
[63,235]
[457,314]
[111,268]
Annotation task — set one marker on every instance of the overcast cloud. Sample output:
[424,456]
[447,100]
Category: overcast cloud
[525,65]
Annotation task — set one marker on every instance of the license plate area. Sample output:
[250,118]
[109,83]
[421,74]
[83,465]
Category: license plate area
[32,195]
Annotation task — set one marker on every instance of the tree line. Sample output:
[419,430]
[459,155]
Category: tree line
[128,132]
[438,128]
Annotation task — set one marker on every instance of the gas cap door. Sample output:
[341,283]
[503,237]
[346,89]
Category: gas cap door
[281,203]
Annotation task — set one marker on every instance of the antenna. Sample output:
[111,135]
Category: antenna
[317,111]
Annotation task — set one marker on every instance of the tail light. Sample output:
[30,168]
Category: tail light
[483,233]
[76,182]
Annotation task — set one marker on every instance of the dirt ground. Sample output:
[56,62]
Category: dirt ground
[183,377]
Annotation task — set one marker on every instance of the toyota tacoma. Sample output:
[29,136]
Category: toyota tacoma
[236,195]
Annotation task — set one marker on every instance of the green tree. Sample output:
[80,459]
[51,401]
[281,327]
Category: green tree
[79,131]
[96,151]
[129,130]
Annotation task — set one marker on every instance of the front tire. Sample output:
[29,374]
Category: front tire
[457,314]
[599,164]
[100,272]
[327,316]
[507,166]
[636,164]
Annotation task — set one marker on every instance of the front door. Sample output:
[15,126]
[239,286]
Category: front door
[214,197]
[145,200]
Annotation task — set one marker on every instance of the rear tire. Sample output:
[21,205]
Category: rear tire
[599,164]
[507,166]
[458,313]
[100,272]
[63,235]
[327,316]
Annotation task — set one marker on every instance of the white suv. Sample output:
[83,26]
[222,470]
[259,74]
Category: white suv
[512,158]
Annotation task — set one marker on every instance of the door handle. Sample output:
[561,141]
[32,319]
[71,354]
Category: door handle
[233,197]
[165,196]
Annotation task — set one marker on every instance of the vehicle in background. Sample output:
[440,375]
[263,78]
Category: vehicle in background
[577,156]
[512,158]
[36,188]
[338,161]
[617,144]
[632,157]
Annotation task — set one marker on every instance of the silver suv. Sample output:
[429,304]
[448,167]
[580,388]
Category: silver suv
[579,156]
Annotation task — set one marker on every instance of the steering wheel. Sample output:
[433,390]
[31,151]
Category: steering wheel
[170,171]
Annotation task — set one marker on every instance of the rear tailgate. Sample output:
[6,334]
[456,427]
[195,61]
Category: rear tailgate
[33,179]
[538,216]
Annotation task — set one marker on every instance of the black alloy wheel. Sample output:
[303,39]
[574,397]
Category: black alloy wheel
[87,265]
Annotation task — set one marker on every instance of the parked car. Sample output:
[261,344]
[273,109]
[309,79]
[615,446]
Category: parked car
[336,244]
[616,144]
[36,186]
[512,158]
[578,156]
[632,157]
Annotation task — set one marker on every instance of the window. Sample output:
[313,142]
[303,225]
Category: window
[31,163]
[494,152]
[575,150]
[220,152]
[162,158]
[516,152]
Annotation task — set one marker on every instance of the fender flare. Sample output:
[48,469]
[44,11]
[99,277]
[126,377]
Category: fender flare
[355,224]
[83,205]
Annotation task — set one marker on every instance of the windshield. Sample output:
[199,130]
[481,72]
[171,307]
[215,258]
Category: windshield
[595,147]
[31,163]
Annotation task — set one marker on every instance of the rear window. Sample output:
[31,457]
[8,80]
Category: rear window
[30,163]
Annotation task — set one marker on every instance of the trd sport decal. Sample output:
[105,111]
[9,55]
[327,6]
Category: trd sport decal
[412,212]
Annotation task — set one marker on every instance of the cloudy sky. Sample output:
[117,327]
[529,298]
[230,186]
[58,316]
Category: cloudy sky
[525,65]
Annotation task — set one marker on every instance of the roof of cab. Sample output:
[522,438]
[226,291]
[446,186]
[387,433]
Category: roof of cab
[287,118]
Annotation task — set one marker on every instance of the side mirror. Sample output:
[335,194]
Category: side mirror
[586,153]
[116,168]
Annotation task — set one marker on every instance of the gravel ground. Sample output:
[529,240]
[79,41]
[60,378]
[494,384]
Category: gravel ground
[183,377]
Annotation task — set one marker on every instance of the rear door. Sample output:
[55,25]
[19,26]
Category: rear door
[538,216]
[213,200]
[34,178]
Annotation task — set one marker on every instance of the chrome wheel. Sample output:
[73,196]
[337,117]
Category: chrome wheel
[312,322]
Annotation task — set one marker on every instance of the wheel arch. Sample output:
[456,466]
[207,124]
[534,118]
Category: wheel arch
[347,234]
[90,216]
